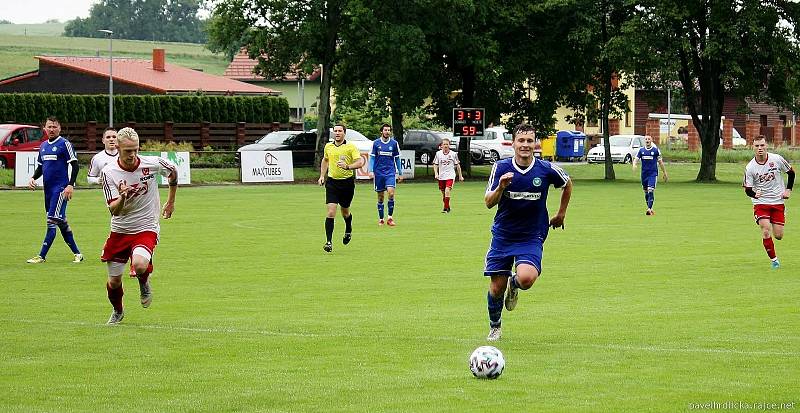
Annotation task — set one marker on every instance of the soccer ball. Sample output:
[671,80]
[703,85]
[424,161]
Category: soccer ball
[487,362]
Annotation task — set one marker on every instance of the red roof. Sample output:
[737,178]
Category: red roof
[241,68]
[174,79]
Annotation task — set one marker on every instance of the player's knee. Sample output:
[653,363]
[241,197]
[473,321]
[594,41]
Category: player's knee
[778,235]
[115,282]
[765,233]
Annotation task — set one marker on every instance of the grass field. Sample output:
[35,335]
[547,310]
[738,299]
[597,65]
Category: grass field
[17,51]
[632,313]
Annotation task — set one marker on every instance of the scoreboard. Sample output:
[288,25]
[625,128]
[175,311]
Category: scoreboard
[468,121]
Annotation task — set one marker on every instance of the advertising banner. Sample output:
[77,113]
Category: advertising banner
[267,166]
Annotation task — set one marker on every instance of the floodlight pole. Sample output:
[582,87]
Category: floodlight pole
[110,34]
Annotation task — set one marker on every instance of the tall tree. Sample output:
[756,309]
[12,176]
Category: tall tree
[746,48]
[285,36]
[385,52]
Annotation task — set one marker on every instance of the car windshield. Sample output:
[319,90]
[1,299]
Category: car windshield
[4,132]
[620,141]
[276,137]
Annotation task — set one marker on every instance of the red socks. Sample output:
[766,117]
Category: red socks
[446,202]
[770,247]
[115,297]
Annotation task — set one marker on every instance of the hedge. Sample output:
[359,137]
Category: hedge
[34,108]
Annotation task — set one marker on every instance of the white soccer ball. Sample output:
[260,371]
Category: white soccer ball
[487,362]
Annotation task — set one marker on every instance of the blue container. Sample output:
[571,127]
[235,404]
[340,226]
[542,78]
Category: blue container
[570,145]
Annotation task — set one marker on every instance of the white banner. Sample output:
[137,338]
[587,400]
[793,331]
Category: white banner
[407,162]
[181,160]
[666,124]
[24,168]
[263,166]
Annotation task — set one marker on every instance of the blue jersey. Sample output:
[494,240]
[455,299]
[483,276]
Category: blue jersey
[384,158]
[522,210]
[54,157]
[649,158]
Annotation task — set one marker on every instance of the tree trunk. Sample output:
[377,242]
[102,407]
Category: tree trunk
[397,124]
[712,98]
[605,100]
[324,119]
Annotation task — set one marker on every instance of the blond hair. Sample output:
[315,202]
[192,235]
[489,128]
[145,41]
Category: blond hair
[127,134]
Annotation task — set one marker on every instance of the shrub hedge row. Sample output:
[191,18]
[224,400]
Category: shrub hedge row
[34,108]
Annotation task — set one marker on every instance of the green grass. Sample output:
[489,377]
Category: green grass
[17,52]
[38,29]
[632,313]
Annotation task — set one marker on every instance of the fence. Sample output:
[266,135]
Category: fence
[87,136]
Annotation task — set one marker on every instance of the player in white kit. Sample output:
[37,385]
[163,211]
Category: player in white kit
[445,166]
[131,190]
[763,183]
[108,155]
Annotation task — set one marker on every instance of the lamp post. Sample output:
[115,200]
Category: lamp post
[110,34]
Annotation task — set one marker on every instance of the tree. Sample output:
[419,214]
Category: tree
[385,56]
[747,48]
[164,20]
[285,36]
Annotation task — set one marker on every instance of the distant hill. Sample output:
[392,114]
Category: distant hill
[42,29]
[17,51]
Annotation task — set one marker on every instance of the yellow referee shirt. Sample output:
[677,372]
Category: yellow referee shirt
[346,152]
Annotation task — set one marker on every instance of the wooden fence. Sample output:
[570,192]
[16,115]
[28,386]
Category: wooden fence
[88,136]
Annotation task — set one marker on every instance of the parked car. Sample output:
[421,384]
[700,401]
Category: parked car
[498,141]
[426,142]
[300,143]
[363,143]
[18,138]
[480,154]
[623,149]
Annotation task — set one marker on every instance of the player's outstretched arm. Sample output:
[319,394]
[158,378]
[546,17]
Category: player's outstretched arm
[566,194]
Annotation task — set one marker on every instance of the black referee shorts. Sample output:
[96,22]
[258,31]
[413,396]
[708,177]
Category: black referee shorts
[340,191]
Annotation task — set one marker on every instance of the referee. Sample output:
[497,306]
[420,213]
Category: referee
[339,162]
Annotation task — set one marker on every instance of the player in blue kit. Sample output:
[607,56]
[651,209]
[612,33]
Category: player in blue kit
[384,166]
[650,157]
[56,156]
[519,186]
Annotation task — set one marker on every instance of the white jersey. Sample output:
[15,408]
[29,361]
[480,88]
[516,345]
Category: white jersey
[99,161]
[767,178]
[447,164]
[142,211]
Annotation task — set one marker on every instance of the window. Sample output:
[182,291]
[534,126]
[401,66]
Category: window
[763,119]
[35,134]
[627,119]
[783,120]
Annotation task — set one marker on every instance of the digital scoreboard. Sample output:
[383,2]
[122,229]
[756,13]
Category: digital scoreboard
[468,121]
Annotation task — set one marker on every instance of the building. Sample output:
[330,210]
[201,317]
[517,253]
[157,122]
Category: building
[300,93]
[132,76]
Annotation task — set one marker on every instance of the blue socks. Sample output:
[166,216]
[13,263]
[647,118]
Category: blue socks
[495,306]
[380,210]
[49,236]
[66,233]
[650,197]
[391,206]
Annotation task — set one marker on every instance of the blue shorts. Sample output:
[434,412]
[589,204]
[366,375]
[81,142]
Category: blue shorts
[55,204]
[503,256]
[649,181]
[384,181]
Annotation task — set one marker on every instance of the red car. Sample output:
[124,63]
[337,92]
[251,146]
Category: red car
[18,138]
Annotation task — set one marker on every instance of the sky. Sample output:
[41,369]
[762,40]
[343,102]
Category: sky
[39,11]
